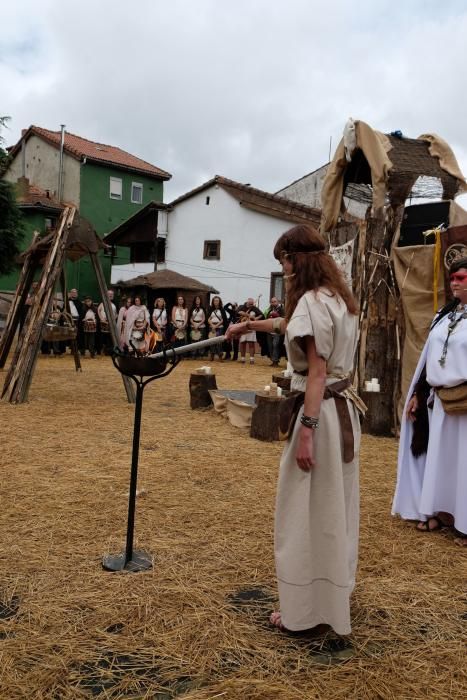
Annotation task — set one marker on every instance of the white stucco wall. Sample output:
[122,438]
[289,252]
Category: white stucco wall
[42,164]
[308,189]
[247,240]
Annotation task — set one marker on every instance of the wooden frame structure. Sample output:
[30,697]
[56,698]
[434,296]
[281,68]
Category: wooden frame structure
[72,239]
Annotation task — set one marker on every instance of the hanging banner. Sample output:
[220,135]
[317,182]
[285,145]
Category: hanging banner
[343,256]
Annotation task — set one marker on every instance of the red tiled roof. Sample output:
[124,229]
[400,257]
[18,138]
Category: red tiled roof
[31,195]
[79,147]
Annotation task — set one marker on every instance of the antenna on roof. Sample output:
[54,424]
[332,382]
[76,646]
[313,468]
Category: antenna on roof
[330,146]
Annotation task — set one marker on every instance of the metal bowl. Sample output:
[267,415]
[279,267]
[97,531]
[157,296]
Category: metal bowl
[140,366]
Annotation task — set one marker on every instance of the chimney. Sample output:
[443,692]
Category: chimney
[23,131]
[22,188]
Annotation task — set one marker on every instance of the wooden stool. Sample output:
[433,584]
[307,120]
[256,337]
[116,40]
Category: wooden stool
[283,382]
[200,384]
[265,418]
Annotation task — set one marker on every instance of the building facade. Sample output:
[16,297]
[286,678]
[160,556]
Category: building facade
[105,183]
[222,234]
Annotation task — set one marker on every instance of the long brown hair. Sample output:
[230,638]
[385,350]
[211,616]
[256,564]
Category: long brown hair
[312,266]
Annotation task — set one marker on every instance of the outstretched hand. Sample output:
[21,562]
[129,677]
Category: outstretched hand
[236,329]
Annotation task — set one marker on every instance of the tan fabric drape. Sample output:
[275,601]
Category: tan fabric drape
[413,267]
[440,149]
[375,147]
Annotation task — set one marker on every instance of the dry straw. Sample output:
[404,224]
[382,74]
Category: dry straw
[196,625]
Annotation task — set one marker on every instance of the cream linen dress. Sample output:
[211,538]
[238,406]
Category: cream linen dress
[317,512]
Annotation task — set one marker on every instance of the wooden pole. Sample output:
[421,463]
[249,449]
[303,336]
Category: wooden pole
[17,305]
[129,388]
[21,370]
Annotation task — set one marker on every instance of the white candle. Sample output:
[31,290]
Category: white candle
[279,391]
[267,388]
[368,386]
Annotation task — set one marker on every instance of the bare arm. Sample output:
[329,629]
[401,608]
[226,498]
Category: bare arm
[315,385]
[267,325]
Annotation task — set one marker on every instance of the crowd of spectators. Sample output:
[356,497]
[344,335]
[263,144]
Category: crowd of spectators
[179,325]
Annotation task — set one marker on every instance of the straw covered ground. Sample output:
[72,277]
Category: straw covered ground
[195,626]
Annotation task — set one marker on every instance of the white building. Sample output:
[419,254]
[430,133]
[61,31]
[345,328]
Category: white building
[221,233]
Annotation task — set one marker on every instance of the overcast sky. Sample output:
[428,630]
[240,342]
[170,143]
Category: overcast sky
[249,89]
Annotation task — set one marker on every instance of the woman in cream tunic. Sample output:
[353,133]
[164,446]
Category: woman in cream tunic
[317,507]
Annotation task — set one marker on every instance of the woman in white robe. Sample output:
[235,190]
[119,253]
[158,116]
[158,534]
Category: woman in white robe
[432,486]
[317,507]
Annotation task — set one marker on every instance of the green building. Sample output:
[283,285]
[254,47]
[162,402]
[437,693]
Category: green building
[105,183]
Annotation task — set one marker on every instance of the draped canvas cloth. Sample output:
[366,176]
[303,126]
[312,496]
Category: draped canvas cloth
[413,267]
[317,513]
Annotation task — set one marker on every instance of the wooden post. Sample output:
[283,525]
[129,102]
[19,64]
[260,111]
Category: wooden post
[200,384]
[127,383]
[17,305]
[21,370]
[265,418]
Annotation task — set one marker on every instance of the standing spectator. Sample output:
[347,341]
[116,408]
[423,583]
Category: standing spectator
[160,319]
[180,322]
[217,321]
[197,322]
[231,345]
[275,310]
[249,311]
[89,321]
[121,320]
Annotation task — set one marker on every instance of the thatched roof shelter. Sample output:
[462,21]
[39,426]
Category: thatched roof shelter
[167,279]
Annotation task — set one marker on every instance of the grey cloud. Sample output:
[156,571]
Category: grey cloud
[250,90]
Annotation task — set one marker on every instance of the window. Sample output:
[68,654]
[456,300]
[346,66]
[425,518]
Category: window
[142,253]
[136,193]
[277,286]
[115,188]
[212,250]
[160,250]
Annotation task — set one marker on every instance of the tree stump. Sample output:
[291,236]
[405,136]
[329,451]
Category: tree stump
[379,408]
[200,384]
[283,382]
[265,418]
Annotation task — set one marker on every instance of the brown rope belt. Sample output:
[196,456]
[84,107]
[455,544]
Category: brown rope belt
[333,391]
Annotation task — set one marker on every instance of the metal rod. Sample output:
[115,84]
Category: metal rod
[187,349]
[134,473]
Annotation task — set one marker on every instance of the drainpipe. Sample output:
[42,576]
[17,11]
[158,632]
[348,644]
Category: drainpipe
[60,165]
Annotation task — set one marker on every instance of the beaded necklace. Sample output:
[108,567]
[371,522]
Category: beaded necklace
[454,320]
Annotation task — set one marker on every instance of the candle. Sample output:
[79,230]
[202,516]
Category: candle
[267,388]
[279,391]
[368,386]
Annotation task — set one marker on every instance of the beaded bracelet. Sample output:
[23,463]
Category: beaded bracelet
[309,422]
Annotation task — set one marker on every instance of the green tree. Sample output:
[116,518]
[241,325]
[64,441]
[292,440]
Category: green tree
[11,231]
